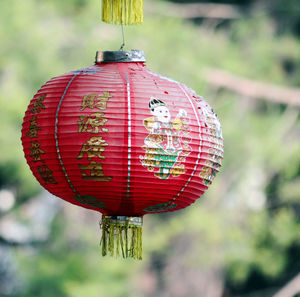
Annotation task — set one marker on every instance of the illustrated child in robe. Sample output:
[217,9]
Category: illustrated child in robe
[164,143]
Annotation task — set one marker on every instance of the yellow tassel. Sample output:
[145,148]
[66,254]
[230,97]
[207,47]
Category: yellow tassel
[118,241]
[131,250]
[139,244]
[122,233]
[104,241]
[121,241]
[126,242]
[111,239]
[122,12]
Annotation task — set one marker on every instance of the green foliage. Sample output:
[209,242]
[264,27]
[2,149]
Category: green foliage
[72,266]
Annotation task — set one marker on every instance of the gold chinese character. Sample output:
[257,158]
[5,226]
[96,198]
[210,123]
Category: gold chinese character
[94,147]
[95,101]
[36,151]
[37,105]
[93,171]
[91,122]
[33,128]
[46,174]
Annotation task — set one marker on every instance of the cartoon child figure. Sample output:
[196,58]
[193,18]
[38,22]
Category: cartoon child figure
[163,143]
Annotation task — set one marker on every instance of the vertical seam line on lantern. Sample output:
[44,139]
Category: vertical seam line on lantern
[199,154]
[129,135]
[55,134]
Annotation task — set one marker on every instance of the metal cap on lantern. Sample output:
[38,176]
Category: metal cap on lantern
[120,139]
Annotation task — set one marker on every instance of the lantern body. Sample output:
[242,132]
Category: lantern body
[122,140]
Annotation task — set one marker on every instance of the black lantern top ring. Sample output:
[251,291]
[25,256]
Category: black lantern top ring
[120,56]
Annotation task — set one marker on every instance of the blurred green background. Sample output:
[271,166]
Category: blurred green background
[242,237]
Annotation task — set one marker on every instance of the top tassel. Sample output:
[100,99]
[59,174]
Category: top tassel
[122,12]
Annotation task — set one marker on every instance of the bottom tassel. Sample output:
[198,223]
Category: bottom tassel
[122,235]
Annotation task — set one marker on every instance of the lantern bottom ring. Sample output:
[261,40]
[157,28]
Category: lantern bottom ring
[122,235]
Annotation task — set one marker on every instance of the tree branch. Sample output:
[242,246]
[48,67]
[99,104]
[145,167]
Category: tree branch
[198,10]
[291,289]
[13,243]
[252,88]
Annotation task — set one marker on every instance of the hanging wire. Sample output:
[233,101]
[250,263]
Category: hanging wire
[122,26]
[123,36]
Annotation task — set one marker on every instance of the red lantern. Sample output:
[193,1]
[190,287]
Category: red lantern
[120,139]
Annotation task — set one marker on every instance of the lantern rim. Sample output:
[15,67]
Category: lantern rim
[120,56]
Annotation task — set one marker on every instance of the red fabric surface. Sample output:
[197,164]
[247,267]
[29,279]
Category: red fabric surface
[91,139]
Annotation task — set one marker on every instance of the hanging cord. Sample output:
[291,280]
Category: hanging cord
[122,26]
[123,35]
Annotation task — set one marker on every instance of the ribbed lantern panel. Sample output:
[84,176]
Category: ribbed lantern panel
[122,140]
